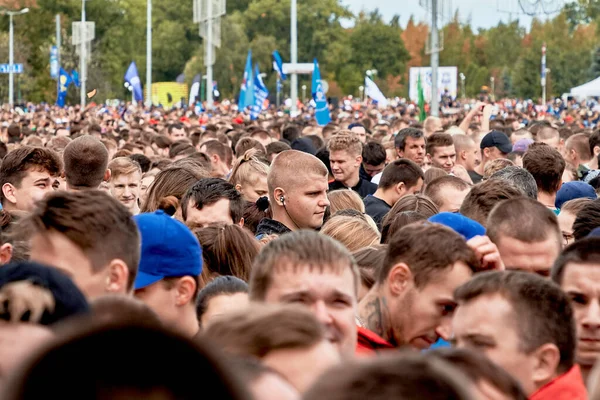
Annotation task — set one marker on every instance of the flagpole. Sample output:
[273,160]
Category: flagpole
[58,44]
[278,89]
[149,54]
[209,56]
[435,60]
[294,56]
[83,72]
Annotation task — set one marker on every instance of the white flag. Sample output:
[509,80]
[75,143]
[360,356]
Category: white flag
[373,92]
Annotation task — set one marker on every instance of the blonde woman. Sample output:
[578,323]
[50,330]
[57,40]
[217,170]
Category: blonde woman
[249,176]
[354,233]
[343,199]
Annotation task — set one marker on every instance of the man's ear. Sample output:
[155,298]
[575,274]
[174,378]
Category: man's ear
[278,193]
[9,192]
[400,188]
[358,160]
[107,175]
[596,150]
[6,251]
[547,358]
[399,278]
[428,157]
[462,155]
[215,159]
[117,278]
[186,287]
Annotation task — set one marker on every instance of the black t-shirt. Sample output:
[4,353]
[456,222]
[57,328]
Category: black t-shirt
[376,209]
[475,177]
[363,188]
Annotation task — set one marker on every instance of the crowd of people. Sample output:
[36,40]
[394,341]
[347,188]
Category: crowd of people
[147,253]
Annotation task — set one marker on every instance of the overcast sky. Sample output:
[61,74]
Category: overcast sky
[483,13]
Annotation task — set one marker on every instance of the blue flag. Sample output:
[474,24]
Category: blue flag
[278,65]
[247,90]
[75,78]
[64,80]
[260,94]
[132,77]
[322,108]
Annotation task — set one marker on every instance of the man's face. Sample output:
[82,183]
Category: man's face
[414,149]
[344,166]
[373,170]
[210,214]
[581,282]
[452,199]
[330,295]
[487,324]
[56,250]
[177,134]
[162,300]
[536,257]
[34,186]
[126,189]
[360,132]
[144,185]
[302,367]
[423,314]
[472,158]
[444,158]
[307,200]
[495,153]
[565,221]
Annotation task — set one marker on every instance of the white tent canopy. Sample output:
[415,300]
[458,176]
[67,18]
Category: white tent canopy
[589,89]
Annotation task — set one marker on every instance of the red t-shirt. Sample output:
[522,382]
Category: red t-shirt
[369,342]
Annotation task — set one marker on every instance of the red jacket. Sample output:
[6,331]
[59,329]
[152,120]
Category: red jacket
[568,386]
[369,342]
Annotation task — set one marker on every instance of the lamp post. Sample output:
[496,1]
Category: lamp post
[361,89]
[492,81]
[303,93]
[462,85]
[11,55]
[149,54]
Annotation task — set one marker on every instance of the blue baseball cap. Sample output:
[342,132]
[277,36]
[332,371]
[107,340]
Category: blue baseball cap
[467,227]
[574,190]
[169,249]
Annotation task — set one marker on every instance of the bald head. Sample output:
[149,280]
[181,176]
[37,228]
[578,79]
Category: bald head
[86,159]
[291,167]
[462,142]
[432,125]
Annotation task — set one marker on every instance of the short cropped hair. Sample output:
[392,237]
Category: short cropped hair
[587,220]
[223,151]
[413,202]
[123,166]
[95,222]
[519,178]
[208,191]
[427,249]
[406,376]
[546,165]
[401,170]
[585,251]
[86,159]
[400,140]
[435,187]
[484,196]
[373,153]
[542,311]
[581,144]
[276,148]
[290,166]
[301,249]
[221,285]
[438,140]
[18,162]
[345,142]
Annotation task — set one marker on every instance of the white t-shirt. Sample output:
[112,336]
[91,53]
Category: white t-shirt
[377,178]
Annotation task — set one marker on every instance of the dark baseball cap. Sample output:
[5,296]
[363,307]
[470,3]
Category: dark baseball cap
[497,139]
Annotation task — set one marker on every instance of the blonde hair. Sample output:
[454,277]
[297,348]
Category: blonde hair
[496,165]
[246,167]
[345,141]
[123,166]
[354,233]
[343,199]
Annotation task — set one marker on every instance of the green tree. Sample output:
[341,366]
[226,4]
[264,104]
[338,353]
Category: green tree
[595,67]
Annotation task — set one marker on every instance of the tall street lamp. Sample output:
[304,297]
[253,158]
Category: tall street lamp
[11,55]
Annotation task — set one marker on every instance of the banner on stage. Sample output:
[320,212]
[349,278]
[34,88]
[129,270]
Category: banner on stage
[447,80]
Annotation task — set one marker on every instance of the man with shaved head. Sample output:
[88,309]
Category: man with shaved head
[467,153]
[86,161]
[551,137]
[297,184]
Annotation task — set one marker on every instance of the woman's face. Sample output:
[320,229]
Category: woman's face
[254,188]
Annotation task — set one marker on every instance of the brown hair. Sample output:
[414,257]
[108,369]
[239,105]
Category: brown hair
[123,166]
[413,202]
[401,170]
[95,222]
[575,205]
[348,142]
[435,187]
[223,151]
[58,143]
[162,141]
[398,222]
[484,196]
[523,219]
[370,261]
[263,328]
[354,233]
[246,167]
[343,199]
[86,159]
[247,143]
[438,140]
[546,165]
[493,166]
[17,163]
[432,174]
[406,376]
[542,312]
[301,249]
[292,166]
[227,250]
[581,144]
[169,187]
[427,249]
